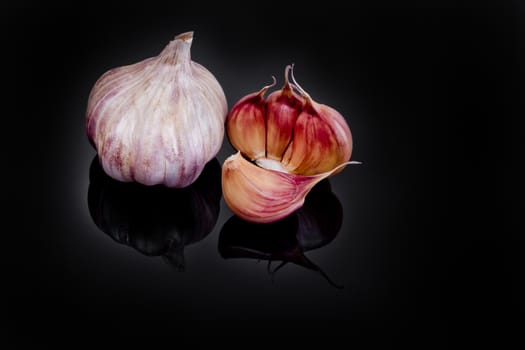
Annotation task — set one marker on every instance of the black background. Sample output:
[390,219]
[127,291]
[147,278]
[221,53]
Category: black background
[429,250]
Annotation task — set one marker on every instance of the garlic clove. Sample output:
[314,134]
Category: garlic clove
[262,195]
[283,107]
[246,124]
[322,141]
[158,121]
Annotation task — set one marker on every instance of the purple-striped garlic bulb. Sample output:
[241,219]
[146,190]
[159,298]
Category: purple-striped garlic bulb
[286,144]
[158,121]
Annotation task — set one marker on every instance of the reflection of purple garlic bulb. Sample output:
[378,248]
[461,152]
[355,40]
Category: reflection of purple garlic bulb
[158,121]
[285,241]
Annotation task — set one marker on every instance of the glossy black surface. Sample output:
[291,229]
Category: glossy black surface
[419,236]
[312,226]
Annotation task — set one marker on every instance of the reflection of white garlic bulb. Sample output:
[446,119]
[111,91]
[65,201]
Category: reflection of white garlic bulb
[158,121]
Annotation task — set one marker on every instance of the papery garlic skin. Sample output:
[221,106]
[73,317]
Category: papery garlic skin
[263,195]
[158,121]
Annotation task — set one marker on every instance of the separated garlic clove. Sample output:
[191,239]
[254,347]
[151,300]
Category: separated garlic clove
[322,139]
[264,195]
[246,124]
[158,121]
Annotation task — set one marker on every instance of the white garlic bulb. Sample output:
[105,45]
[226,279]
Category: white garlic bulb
[158,121]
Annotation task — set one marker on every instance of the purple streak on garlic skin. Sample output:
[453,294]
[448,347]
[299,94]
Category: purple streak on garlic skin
[158,121]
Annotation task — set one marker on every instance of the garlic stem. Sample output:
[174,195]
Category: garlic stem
[178,51]
[298,87]
[264,89]
[187,36]
[287,87]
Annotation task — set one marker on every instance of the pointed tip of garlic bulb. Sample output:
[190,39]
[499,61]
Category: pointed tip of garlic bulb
[187,36]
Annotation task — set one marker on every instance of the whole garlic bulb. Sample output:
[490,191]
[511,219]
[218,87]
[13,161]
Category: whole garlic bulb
[158,121]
